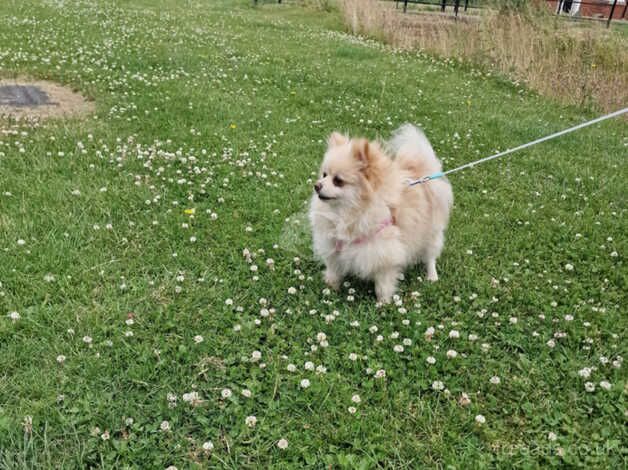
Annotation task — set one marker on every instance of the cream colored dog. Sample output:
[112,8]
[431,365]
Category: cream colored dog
[367,221]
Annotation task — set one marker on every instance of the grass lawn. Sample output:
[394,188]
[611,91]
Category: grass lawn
[158,258]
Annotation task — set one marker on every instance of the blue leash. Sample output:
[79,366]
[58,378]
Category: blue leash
[440,174]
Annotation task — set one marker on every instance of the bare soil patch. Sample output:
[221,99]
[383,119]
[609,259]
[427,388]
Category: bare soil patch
[26,99]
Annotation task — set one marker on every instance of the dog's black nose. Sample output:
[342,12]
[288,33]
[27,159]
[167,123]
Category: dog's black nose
[318,187]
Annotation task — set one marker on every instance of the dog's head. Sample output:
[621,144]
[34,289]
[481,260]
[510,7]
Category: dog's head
[352,170]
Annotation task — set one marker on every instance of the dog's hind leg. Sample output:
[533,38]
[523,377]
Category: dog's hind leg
[432,275]
[432,252]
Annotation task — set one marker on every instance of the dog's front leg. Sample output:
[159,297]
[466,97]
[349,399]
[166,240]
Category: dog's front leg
[333,275]
[386,284]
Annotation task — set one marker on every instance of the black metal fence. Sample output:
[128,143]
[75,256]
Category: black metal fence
[442,4]
[597,10]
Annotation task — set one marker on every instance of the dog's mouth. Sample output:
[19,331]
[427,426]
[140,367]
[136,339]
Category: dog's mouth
[325,198]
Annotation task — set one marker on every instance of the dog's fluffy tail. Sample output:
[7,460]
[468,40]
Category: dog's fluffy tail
[413,152]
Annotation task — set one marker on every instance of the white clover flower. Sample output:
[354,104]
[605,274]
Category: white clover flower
[309,365]
[431,360]
[291,368]
[282,444]
[208,446]
[87,339]
[14,316]
[352,410]
[480,419]
[473,337]
[292,291]
[551,343]
[451,354]
[585,373]
[353,357]
[193,398]
[225,393]
[250,421]
[256,356]
[305,383]
[321,337]
[380,374]
[164,426]
[464,400]
[247,393]
[398,348]
[60,358]
[495,380]
[438,385]
[569,267]
[605,385]
[198,339]
[551,436]
[589,387]
[454,334]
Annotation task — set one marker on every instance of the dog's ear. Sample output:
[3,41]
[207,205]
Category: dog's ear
[362,152]
[336,138]
[372,165]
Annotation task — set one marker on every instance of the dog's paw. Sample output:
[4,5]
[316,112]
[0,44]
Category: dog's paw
[432,277]
[431,274]
[384,293]
[332,279]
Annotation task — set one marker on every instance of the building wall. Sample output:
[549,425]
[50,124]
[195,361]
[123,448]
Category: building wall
[595,8]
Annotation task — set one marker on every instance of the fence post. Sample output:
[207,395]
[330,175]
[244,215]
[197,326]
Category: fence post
[610,16]
[623,15]
[442,5]
[405,6]
[560,7]
[466,4]
[456,6]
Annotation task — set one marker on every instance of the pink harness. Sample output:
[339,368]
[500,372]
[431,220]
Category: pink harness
[360,240]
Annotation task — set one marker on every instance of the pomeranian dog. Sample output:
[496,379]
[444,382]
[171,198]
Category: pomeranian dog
[367,221]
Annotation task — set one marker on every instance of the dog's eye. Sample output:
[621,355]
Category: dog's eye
[338,181]
[324,175]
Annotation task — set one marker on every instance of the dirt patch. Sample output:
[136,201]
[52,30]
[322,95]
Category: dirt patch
[25,99]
